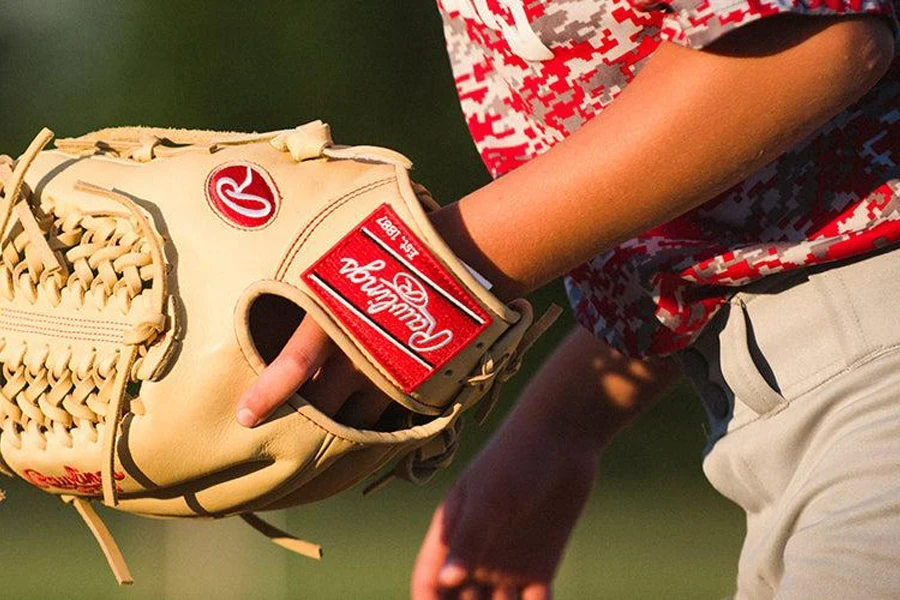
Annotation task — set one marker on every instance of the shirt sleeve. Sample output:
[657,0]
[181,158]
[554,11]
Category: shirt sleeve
[698,23]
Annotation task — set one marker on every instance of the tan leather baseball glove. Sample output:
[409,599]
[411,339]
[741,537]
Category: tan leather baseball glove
[142,272]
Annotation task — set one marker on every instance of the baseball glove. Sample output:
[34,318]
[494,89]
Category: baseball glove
[148,276]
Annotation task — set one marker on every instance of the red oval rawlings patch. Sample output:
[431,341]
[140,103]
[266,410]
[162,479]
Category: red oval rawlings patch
[243,194]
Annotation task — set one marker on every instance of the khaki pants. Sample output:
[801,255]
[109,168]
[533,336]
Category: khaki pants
[800,376]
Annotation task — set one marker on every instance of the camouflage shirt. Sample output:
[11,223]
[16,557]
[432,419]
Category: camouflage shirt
[530,72]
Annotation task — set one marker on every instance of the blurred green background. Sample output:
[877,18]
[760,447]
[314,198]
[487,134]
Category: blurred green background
[377,72]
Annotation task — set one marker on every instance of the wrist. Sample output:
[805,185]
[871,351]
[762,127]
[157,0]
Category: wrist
[448,221]
[560,444]
[587,392]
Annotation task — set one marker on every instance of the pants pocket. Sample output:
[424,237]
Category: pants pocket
[739,370]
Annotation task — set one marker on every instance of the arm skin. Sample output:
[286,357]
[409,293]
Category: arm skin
[691,125]
[506,522]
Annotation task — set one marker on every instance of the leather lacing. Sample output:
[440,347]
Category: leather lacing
[75,259]
[53,391]
[53,257]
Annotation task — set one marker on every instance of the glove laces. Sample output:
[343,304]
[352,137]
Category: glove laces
[57,257]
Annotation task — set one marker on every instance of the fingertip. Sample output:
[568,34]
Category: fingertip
[252,407]
[537,591]
[247,418]
[452,574]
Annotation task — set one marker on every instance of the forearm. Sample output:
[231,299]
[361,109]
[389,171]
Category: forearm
[587,392]
[691,125]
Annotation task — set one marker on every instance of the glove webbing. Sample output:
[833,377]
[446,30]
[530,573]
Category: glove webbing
[142,334]
[12,187]
[27,382]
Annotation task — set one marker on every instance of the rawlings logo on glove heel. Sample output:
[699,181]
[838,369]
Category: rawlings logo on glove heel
[242,194]
[89,484]
[406,309]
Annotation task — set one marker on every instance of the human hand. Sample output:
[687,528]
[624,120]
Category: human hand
[501,531]
[329,382]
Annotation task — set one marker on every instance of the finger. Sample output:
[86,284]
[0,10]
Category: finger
[363,409]
[332,385]
[536,591]
[306,351]
[476,591]
[424,584]
[505,593]
[454,572]
[470,536]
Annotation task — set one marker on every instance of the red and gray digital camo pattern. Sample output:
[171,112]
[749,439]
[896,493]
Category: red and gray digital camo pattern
[530,72]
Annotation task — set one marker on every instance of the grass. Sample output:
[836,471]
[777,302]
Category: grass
[637,540]
[653,529]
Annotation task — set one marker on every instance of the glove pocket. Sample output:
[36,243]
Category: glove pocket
[349,456]
[298,456]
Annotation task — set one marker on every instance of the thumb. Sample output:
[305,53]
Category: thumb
[460,538]
[434,571]
[303,355]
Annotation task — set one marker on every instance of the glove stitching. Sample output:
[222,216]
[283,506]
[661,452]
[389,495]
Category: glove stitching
[328,432]
[56,334]
[21,314]
[316,220]
[48,325]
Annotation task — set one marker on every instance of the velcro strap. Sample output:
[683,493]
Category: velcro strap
[400,303]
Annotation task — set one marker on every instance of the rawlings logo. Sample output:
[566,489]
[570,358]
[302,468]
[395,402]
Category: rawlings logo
[403,306]
[403,297]
[89,484]
[243,194]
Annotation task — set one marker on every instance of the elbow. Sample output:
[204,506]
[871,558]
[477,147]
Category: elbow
[867,49]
